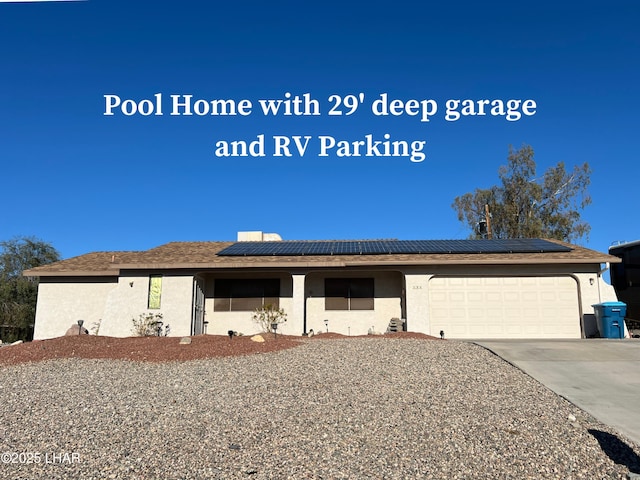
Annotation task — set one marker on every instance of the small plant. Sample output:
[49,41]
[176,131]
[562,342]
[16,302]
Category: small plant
[95,327]
[147,324]
[267,315]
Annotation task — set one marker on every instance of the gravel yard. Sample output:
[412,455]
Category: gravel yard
[323,408]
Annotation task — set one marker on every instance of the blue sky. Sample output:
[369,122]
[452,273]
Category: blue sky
[85,181]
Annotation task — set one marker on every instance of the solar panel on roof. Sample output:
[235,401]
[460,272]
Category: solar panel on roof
[381,247]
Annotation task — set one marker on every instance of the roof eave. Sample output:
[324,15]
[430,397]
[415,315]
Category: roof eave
[334,263]
[72,273]
[555,261]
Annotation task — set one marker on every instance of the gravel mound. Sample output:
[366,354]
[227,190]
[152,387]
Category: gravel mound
[354,408]
[145,349]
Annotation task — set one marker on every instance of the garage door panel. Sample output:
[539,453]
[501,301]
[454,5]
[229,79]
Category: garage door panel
[511,296]
[438,296]
[475,297]
[531,329]
[439,312]
[476,328]
[493,296]
[458,296]
[504,307]
[562,295]
[492,329]
[512,313]
[514,330]
[456,328]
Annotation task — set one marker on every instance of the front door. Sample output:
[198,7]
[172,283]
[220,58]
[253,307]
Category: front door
[197,316]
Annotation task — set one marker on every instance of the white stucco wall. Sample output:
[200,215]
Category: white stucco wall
[114,303]
[387,290]
[62,303]
[219,323]
[130,299]
[417,293]
[295,288]
[593,290]
[177,300]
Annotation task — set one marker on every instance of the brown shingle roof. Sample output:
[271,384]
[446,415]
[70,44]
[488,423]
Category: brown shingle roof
[203,255]
[95,263]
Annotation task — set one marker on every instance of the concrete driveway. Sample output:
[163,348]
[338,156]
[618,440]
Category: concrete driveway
[600,376]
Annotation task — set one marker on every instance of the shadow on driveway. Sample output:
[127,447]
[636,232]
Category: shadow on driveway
[617,450]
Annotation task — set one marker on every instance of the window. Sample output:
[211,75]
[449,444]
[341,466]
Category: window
[241,295]
[348,294]
[155,291]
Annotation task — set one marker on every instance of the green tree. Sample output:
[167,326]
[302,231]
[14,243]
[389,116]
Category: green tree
[527,206]
[18,294]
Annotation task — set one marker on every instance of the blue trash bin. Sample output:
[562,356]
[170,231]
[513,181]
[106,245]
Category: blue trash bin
[610,318]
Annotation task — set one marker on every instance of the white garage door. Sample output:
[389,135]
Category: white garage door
[504,307]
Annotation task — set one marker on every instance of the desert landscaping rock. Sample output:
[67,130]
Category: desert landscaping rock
[76,329]
[352,408]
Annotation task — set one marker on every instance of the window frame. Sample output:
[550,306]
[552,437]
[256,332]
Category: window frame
[349,293]
[245,294]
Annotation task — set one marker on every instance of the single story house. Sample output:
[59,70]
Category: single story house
[523,288]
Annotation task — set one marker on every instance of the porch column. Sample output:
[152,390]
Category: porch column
[296,318]
[417,302]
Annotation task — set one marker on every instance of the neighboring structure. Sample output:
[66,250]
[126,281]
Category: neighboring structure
[525,288]
[625,277]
